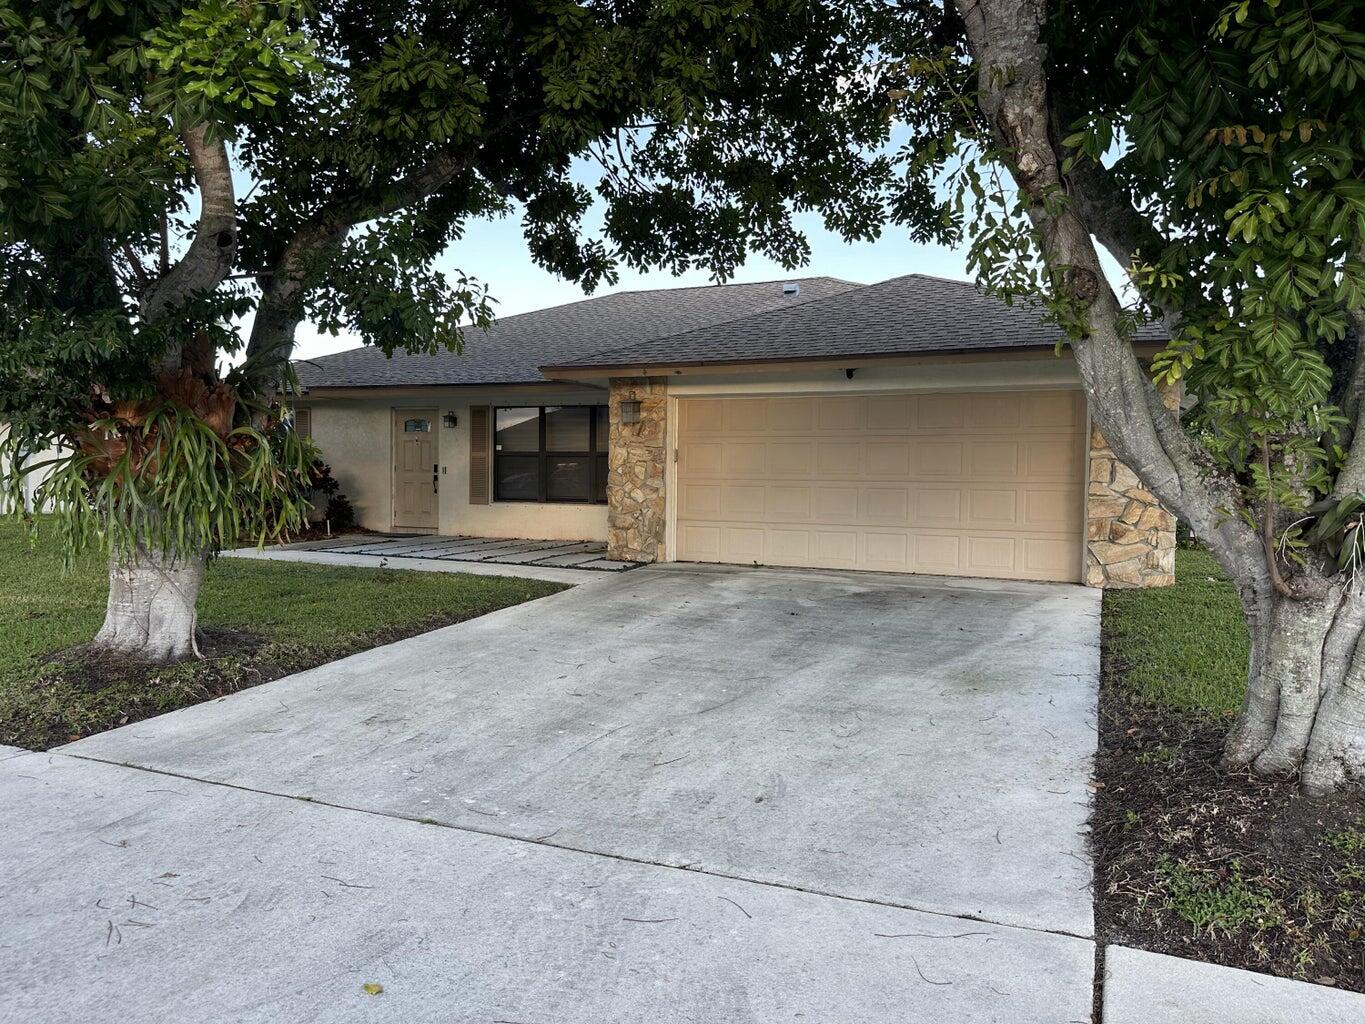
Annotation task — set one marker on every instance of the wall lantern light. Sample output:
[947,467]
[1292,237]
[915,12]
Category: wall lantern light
[450,420]
[630,412]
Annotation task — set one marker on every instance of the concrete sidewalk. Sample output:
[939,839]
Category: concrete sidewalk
[1151,988]
[140,898]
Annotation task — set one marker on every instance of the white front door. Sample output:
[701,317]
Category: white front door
[415,470]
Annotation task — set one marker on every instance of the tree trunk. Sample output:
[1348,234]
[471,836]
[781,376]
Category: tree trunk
[1304,711]
[151,612]
[1305,702]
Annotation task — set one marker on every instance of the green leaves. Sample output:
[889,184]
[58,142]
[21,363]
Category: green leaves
[1223,143]
[224,58]
[160,475]
[380,284]
[418,91]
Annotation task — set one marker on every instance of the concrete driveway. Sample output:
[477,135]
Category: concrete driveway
[679,794]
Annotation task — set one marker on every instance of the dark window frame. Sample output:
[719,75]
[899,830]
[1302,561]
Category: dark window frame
[596,457]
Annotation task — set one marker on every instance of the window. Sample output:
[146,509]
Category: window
[418,426]
[550,453]
[303,423]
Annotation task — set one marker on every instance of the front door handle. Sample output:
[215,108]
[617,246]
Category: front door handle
[435,481]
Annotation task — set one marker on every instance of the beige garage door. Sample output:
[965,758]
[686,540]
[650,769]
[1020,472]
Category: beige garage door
[957,484]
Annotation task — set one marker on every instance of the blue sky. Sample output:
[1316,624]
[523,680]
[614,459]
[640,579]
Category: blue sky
[494,252]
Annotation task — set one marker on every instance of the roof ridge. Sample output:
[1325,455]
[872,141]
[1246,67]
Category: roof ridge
[946,280]
[736,284]
[631,291]
[812,301]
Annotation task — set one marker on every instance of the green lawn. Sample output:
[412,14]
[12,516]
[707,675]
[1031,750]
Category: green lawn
[293,616]
[1192,858]
[1182,647]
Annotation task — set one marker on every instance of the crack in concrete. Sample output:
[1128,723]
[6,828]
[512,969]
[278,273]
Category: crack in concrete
[624,858]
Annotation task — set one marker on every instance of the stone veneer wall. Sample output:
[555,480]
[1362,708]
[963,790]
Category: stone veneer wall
[638,470]
[1130,537]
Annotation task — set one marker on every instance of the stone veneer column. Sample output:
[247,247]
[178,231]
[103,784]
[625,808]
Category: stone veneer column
[1130,537]
[638,463]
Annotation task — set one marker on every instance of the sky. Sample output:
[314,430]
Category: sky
[494,252]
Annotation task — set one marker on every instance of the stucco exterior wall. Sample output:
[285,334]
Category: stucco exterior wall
[31,481]
[355,436]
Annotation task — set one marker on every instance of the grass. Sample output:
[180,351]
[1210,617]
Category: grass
[1182,647]
[1207,899]
[1194,859]
[262,620]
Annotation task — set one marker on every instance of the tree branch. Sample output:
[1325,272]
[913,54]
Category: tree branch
[1004,37]
[1352,475]
[279,313]
[1295,593]
[210,254]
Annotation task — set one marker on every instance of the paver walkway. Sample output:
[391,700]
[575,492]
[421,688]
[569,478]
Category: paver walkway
[500,550]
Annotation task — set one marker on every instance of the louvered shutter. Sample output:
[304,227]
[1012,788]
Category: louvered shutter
[479,447]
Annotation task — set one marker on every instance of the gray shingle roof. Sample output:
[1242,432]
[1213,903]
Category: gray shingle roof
[902,316]
[514,348]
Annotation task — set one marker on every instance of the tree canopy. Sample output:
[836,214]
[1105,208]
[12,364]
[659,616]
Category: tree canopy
[171,171]
[1217,151]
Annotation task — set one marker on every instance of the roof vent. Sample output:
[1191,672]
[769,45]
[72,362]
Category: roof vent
[791,288]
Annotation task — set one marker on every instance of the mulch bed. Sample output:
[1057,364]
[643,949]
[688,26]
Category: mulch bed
[113,692]
[1220,866]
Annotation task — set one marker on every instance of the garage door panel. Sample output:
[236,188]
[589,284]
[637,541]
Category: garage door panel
[746,417]
[702,543]
[887,505]
[699,500]
[743,543]
[887,458]
[790,414]
[789,547]
[993,460]
[700,417]
[1052,460]
[994,411]
[1052,409]
[891,412]
[743,501]
[942,413]
[846,414]
[937,506]
[960,484]
[992,509]
[746,460]
[789,504]
[990,556]
[1048,558]
[836,504]
[941,553]
[698,458]
[936,459]
[1051,510]
[836,549]
[791,458]
[839,459]
[888,551]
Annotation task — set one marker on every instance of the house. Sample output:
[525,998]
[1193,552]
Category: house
[38,472]
[915,425]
